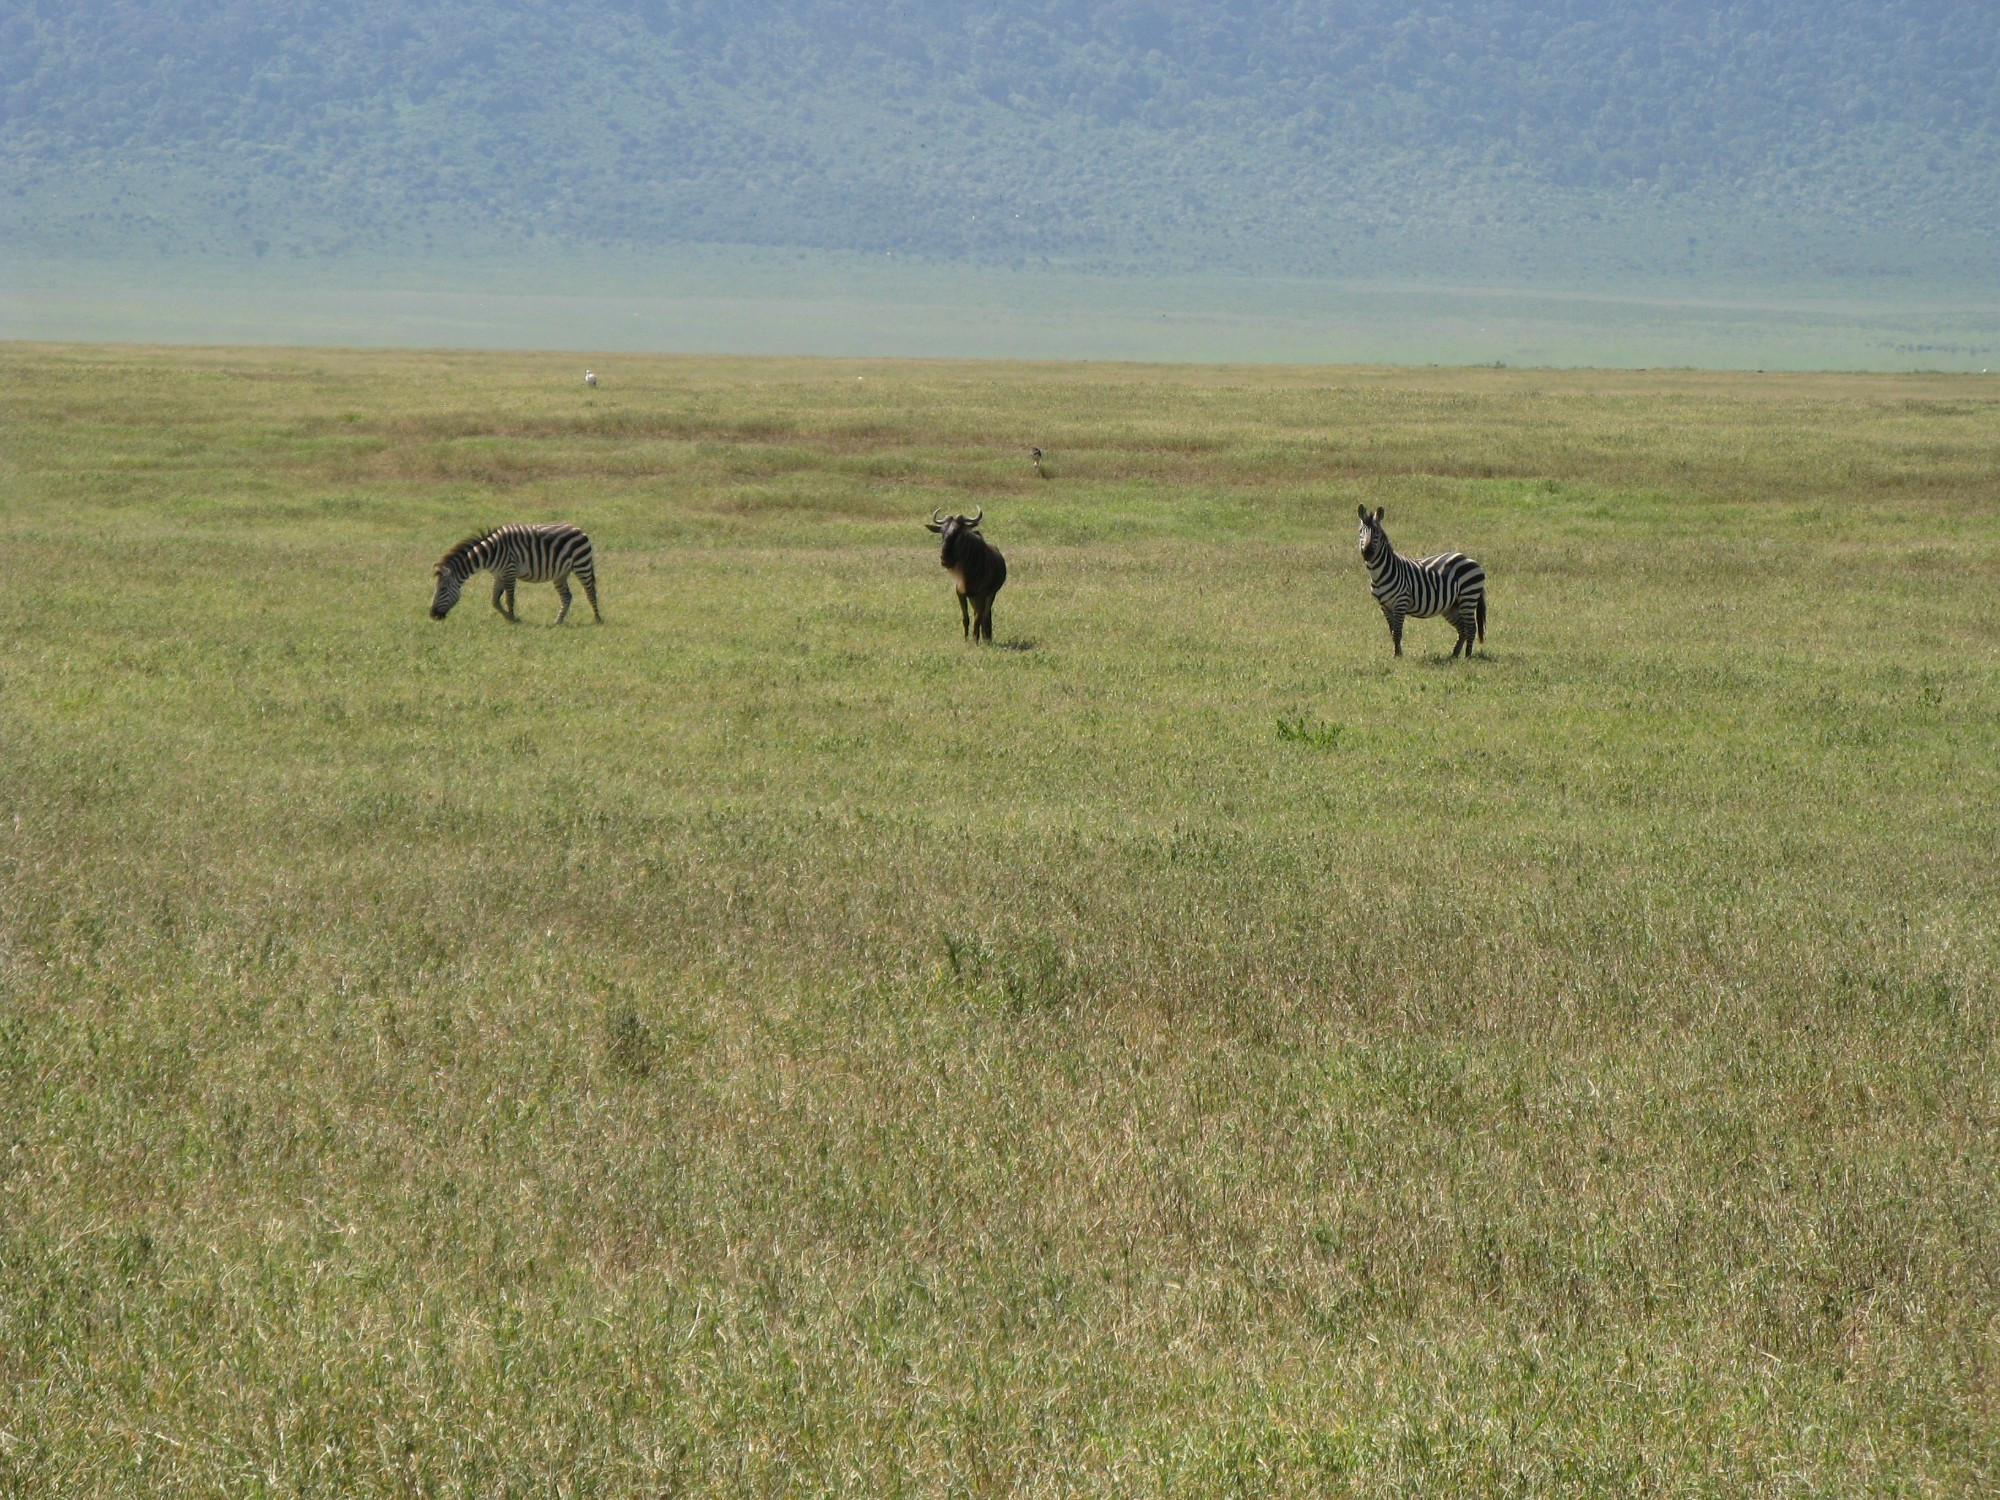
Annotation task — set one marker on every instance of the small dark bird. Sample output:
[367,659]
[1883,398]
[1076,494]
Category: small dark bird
[1036,455]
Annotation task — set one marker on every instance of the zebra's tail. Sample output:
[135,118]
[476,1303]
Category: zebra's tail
[1482,618]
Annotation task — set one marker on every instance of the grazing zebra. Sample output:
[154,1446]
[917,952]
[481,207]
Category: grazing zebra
[1450,584]
[546,553]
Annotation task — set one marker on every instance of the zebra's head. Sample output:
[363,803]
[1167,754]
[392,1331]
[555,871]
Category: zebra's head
[1374,540]
[449,584]
[453,569]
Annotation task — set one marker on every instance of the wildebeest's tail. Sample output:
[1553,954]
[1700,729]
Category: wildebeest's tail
[1482,617]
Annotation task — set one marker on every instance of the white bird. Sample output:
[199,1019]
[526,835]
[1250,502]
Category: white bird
[590,377]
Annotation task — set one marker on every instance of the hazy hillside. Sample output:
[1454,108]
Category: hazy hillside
[1522,139]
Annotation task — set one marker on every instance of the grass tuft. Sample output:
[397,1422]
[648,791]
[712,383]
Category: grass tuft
[1315,734]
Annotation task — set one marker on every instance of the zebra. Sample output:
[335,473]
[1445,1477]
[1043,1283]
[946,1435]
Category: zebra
[1450,584]
[546,553]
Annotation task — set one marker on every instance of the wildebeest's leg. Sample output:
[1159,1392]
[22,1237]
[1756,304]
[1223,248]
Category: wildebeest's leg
[562,592]
[965,616]
[982,622]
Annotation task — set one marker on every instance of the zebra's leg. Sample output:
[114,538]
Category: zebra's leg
[500,595]
[562,593]
[590,593]
[1396,632]
[965,616]
[513,601]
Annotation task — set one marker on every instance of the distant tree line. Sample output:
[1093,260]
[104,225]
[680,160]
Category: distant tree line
[1256,134]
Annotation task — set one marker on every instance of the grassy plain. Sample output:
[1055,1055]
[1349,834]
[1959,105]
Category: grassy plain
[765,1046]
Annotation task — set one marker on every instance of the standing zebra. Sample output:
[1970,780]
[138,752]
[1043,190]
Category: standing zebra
[546,553]
[1450,584]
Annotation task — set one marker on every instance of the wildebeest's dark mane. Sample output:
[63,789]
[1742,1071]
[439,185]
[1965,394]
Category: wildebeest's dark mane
[458,551]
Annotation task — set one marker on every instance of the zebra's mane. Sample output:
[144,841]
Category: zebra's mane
[459,551]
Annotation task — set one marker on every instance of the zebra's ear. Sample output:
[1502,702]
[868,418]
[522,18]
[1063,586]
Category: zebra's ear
[1378,515]
[1364,511]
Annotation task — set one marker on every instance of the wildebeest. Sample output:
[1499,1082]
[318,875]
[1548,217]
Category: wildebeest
[977,570]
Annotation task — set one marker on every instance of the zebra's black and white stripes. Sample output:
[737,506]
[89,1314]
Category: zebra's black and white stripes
[546,553]
[1450,584]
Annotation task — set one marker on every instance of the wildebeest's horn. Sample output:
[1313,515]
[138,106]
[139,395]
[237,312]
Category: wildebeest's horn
[936,512]
[975,520]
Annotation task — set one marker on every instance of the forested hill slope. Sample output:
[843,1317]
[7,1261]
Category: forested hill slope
[1516,138]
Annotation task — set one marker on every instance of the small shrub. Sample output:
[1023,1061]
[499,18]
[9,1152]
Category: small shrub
[633,1049]
[1039,977]
[1314,733]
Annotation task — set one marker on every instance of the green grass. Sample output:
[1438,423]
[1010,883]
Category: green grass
[764,1045]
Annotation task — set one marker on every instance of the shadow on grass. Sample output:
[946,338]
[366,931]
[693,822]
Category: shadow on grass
[1444,660]
[1023,643]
